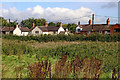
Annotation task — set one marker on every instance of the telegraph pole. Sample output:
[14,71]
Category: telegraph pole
[92,21]
[9,25]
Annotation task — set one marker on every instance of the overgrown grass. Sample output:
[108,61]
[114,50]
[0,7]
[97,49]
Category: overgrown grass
[17,55]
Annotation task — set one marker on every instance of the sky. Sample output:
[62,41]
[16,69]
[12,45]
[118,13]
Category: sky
[66,12]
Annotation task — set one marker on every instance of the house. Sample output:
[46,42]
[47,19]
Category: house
[20,31]
[38,30]
[7,30]
[99,28]
[115,29]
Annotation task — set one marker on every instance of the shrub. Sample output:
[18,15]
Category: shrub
[47,38]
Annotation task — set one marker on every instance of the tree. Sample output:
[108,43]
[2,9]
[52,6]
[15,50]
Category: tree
[65,25]
[28,22]
[71,27]
[51,24]
[3,22]
[58,24]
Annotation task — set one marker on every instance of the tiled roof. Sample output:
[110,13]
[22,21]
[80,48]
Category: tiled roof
[49,28]
[5,28]
[24,29]
[96,27]
[52,28]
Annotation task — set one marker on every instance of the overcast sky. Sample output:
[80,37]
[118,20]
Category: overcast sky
[67,12]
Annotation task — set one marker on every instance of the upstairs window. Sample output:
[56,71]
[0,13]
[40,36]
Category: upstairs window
[36,32]
[78,30]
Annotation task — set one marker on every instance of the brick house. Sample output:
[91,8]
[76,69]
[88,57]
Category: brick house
[115,29]
[96,28]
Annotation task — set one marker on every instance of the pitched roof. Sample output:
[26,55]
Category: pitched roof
[52,28]
[24,29]
[49,28]
[5,28]
[96,27]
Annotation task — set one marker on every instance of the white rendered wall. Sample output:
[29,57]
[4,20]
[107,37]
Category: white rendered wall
[17,31]
[60,29]
[24,33]
[45,33]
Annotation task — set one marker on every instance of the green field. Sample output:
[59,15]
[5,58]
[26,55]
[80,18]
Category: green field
[62,59]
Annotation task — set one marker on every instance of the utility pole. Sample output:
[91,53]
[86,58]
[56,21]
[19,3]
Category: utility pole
[92,21]
[9,25]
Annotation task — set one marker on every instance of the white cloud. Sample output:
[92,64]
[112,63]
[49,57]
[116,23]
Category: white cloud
[55,14]
[28,9]
[38,10]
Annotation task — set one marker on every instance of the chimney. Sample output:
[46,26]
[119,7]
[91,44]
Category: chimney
[33,25]
[79,23]
[90,22]
[108,21]
[46,25]
[60,24]
[17,25]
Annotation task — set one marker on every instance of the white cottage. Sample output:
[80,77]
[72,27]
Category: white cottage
[79,28]
[21,31]
[38,30]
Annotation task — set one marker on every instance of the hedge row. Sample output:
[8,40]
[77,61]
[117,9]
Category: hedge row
[47,38]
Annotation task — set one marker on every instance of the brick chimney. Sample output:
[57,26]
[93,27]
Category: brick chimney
[79,23]
[90,22]
[108,21]
[60,24]
[46,25]
[33,24]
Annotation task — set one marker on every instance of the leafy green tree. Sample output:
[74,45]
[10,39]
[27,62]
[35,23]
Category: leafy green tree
[65,25]
[28,22]
[51,24]
[58,24]
[71,27]
[3,22]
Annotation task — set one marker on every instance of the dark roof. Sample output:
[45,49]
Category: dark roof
[49,28]
[44,29]
[52,28]
[96,27]
[24,29]
[5,28]
[32,28]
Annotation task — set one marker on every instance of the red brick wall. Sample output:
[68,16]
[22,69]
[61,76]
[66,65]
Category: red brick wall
[114,27]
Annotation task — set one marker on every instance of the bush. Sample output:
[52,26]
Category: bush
[47,38]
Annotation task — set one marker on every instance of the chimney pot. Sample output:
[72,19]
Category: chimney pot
[90,22]
[33,25]
[78,22]
[46,25]
[108,21]
[60,24]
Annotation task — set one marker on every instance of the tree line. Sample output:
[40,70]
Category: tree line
[38,22]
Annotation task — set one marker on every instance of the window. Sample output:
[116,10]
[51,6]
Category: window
[117,30]
[36,32]
[78,30]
